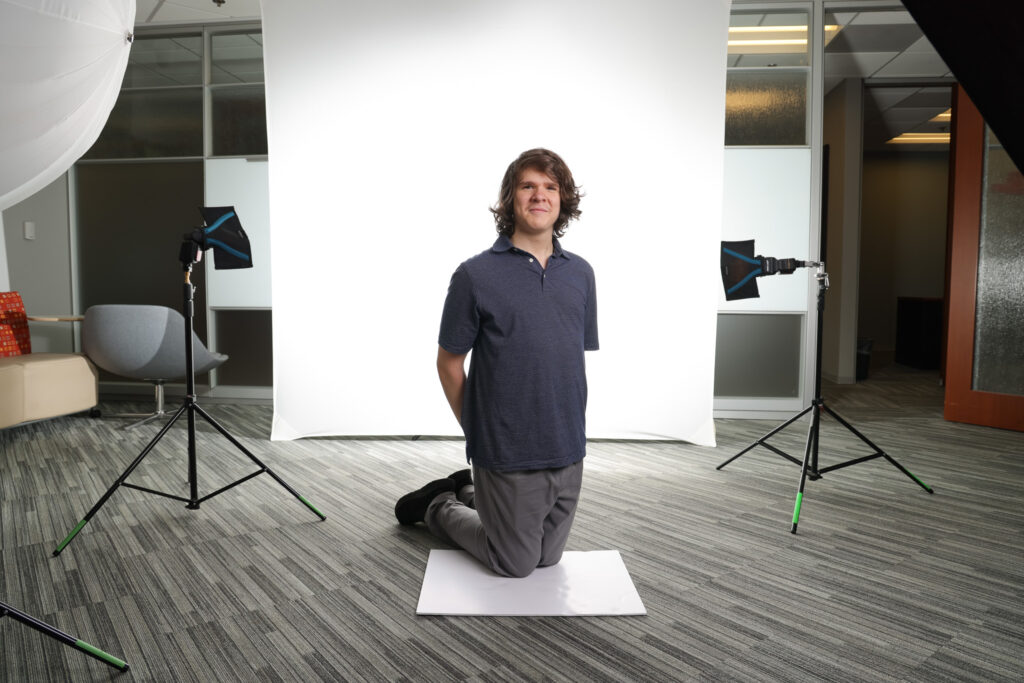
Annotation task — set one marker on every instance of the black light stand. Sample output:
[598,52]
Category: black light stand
[739,275]
[191,252]
[80,645]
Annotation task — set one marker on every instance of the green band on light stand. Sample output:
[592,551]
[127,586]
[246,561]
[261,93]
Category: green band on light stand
[73,533]
[923,485]
[796,510]
[96,652]
[313,508]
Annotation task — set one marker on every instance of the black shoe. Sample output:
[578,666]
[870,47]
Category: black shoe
[461,478]
[412,507]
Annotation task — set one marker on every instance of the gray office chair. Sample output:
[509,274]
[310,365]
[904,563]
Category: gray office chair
[143,342]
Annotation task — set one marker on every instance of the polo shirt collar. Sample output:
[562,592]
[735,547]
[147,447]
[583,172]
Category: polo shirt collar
[503,243]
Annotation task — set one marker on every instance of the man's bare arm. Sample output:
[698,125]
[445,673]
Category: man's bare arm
[451,369]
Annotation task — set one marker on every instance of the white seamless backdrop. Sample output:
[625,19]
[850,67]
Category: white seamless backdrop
[390,125]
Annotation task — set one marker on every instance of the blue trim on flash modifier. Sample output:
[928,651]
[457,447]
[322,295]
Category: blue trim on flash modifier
[750,276]
[217,223]
[233,252]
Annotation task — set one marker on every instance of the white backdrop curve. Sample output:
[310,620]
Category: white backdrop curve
[390,125]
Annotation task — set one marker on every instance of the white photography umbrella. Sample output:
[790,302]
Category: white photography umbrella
[61,65]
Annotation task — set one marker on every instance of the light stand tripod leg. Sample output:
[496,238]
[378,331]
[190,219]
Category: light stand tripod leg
[256,460]
[878,451]
[119,482]
[763,439]
[810,461]
[8,611]
[193,473]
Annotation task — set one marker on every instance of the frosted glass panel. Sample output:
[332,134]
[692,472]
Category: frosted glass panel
[999,325]
[766,107]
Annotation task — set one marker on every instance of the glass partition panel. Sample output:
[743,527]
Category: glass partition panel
[768,79]
[773,39]
[236,57]
[245,336]
[153,123]
[758,355]
[131,218]
[999,321]
[239,120]
[165,61]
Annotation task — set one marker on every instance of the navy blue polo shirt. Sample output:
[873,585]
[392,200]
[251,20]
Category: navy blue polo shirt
[526,392]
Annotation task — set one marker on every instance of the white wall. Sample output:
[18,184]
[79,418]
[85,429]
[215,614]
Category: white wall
[903,240]
[390,125]
[40,268]
[843,133]
[5,280]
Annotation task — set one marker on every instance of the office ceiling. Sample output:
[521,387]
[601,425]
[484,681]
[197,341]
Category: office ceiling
[155,12]
[908,83]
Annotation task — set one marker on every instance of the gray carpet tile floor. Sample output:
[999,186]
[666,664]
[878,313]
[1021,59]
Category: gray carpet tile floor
[882,582]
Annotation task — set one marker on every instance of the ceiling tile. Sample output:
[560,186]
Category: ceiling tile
[929,97]
[912,115]
[859,64]
[143,8]
[743,19]
[916,65]
[872,38]
[922,45]
[840,18]
[178,11]
[888,97]
[884,17]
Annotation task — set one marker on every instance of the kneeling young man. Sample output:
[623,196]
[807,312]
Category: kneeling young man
[527,309]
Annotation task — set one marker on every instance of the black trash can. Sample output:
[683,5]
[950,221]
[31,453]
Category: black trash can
[863,357]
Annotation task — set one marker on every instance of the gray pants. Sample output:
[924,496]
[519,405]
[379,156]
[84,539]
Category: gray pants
[513,522]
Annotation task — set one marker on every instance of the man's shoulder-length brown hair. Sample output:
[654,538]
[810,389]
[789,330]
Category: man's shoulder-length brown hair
[546,162]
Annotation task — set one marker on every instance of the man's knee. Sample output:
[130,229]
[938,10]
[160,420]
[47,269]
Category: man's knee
[550,558]
[515,567]
[518,571]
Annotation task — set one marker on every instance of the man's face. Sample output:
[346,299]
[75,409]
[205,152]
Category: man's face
[537,202]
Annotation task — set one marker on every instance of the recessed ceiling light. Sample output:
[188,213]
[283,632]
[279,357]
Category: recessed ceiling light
[920,139]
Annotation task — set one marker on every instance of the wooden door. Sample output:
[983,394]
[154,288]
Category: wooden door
[965,403]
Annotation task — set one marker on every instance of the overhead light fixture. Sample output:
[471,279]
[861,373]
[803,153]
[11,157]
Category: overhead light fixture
[742,38]
[768,42]
[920,139]
[944,117]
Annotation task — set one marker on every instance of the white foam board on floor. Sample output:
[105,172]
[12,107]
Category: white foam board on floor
[584,583]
